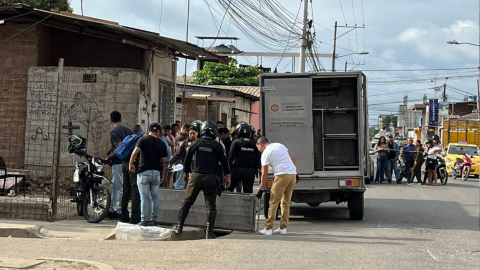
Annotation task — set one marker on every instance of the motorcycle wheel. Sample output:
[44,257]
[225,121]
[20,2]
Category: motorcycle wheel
[80,209]
[454,174]
[97,211]
[466,174]
[443,176]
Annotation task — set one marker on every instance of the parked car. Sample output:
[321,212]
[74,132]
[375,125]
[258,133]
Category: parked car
[374,141]
[457,150]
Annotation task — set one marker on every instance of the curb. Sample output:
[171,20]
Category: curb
[100,266]
[28,232]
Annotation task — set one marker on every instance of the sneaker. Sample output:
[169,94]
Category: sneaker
[265,231]
[376,182]
[280,231]
[153,223]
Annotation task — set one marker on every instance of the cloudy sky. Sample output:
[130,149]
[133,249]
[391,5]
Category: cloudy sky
[399,35]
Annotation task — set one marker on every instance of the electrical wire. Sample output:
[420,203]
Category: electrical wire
[28,28]
[221,23]
[293,25]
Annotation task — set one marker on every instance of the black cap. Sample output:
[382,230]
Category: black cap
[155,127]
[166,127]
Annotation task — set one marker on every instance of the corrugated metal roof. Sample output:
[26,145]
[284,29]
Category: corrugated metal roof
[250,90]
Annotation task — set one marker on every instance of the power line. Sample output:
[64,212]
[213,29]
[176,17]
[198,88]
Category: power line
[293,25]
[220,27]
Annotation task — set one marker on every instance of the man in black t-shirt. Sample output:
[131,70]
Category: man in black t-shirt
[117,134]
[153,160]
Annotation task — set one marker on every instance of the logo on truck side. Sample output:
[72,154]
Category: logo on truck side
[275,107]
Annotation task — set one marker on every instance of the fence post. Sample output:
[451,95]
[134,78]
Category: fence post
[58,139]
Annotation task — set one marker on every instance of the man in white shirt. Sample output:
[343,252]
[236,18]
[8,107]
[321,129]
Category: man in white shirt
[284,167]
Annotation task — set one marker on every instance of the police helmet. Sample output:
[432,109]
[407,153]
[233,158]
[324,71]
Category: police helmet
[209,129]
[197,124]
[243,130]
[252,128]
[76,142]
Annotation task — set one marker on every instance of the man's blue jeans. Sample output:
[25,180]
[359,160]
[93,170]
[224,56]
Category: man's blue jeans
[179,183]
[392,164]
[148,185]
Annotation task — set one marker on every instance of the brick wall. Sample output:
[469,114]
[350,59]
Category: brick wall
[17,54]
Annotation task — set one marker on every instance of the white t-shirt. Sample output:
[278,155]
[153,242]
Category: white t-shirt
[431,152]
[276,155]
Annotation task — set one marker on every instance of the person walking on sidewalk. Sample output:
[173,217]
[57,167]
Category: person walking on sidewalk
[284,167]
[117,134]
[417,166]
[202,161]
[153,160]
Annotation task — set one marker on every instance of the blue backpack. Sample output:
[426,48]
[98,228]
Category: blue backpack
[125,149]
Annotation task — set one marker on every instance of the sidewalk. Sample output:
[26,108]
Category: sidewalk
[77,228]
[74,228]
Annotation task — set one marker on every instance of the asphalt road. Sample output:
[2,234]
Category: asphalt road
[405,227]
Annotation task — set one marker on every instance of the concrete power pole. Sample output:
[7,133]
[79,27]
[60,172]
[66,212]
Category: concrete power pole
[303,48]
[334,48]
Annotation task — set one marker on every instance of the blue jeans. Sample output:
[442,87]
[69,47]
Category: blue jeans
[117,188]
[392,164]
[381,164]
[179,183]
[148,185]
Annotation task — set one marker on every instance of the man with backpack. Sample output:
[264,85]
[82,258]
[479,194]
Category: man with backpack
[117,134]
[130,187]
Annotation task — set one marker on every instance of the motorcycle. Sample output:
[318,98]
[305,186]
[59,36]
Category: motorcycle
[93,200]
[462,167]
[442,171]
[402,170]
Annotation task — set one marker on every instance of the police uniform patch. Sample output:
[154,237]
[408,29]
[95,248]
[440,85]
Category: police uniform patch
[205,149]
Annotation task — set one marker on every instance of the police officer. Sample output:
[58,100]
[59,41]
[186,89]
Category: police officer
[202,161]
[244,159]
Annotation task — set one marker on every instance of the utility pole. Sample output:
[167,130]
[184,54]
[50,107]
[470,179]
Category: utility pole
[303,48]
[185,74]
[334,47]
[444,95]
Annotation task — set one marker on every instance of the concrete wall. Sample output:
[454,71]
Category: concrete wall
[86,105]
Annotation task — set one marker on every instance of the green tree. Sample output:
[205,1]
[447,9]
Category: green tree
[61,5]
[387,119]
[221,74]
[372,131]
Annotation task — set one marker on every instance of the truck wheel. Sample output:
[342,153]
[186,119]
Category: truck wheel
[266,206]
[355,203]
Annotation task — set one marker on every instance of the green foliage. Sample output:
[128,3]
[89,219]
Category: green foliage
[221,74]
[61,5]
[372,131]
[387,119]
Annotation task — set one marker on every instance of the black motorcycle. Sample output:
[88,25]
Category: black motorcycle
[442,174]
[93,200]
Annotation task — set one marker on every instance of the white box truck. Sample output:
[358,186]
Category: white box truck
[322,119]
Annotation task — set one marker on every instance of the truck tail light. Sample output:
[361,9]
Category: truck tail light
[348,183]
[269,184]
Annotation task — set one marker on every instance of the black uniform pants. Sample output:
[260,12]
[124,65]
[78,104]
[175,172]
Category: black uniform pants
[408,170]
[130,188]
[244,175]
[201,182]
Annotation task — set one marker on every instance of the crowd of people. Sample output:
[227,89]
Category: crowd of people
[413,155]
[202,156]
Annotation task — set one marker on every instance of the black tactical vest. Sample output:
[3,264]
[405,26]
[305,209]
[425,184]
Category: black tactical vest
[205,160]
[246,155]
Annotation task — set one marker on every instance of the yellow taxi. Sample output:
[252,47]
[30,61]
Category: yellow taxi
[456,150]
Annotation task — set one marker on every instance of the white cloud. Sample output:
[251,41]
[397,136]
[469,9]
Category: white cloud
[430,40]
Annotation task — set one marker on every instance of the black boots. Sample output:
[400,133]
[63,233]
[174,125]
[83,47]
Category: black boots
[182,215]
[211,216]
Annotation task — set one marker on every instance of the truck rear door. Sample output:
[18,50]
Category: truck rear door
[287,118]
